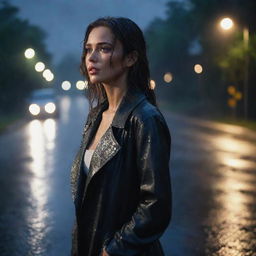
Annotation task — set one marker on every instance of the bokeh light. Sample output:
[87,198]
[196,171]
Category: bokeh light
[152,84]
[29,53]
[39,67]
[66,85]
[34,109]
[226,23]
[50,107]
[198,68]
[231,90]
[48,75]
[80,85]
[86,84]
[238,96]
[232,103]
[168,77]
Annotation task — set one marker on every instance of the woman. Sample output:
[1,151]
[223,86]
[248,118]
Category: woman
[120,176]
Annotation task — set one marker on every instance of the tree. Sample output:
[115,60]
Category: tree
[222,56]
[17,74]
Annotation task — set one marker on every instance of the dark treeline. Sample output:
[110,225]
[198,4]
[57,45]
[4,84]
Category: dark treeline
[191,34]
[17,74]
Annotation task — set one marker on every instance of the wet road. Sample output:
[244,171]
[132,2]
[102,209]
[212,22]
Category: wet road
[214,189]
[213,169]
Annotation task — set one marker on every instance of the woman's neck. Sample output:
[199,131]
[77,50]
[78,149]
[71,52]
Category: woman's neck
[114,95]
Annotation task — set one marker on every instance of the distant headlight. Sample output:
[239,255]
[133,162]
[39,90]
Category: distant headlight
[50,107]
[34,109]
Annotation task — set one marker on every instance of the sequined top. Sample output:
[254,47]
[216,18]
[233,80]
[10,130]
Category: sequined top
[87,159]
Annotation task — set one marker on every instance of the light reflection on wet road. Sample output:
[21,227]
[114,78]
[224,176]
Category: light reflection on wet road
[36,211]
[213,177]
[213,173]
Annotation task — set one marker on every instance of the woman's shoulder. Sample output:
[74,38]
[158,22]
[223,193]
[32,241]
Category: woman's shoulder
[147,119]
[146,112]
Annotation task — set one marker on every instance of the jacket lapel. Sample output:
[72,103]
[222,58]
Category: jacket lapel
[108,146]
[106,149]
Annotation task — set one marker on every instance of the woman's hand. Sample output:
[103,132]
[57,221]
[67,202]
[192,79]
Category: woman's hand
[104,253]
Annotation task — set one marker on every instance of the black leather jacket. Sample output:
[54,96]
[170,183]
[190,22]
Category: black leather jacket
[124,204]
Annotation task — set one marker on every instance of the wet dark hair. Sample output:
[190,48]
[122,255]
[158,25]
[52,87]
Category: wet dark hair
[132,39]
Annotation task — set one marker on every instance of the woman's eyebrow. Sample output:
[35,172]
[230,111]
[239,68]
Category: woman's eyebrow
[100,43]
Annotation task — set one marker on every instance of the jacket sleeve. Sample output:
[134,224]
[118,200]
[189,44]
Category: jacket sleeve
[74,240]
[153,213]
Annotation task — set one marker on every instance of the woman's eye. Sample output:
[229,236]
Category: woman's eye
[88,50]
[105,49]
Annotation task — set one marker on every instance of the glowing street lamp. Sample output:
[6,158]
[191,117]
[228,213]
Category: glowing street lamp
[46,73]
[168,77]
[226,23]
[198,68]
[80,85]
[29,53]
[49,77]
[232,90]
[39,67]
[66,85]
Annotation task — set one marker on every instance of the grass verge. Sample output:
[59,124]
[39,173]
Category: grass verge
[7,120]
[194,111]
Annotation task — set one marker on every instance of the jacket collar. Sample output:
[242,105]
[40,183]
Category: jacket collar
[130,100]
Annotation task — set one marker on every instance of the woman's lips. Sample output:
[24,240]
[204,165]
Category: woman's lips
[93,71]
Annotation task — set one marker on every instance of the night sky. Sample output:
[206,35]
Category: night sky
[65,21]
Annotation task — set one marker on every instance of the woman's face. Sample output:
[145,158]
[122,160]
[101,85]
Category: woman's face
[99,48]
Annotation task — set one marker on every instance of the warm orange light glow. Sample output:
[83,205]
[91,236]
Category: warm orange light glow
[232,103]
[238,95]
[231,90]
[198,68]
[226,23]
[168,77]
[152,84]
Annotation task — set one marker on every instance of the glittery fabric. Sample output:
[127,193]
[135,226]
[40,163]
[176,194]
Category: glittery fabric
[105,150]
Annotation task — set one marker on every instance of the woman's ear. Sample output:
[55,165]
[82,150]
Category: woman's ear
[131,58]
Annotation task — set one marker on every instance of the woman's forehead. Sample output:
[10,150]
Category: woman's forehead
[99,35]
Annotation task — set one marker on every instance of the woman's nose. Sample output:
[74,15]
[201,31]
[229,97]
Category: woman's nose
[92,56]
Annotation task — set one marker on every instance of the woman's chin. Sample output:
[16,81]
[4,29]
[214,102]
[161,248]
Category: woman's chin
[95,80]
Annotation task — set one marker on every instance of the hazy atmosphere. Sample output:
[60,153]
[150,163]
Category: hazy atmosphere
[65,20]
[202,60]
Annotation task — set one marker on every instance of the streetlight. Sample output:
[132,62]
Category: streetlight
[66,85]
[39,67]
[29,53]
[80,85]
[48,75]
[168,77]
[226,24]
[198,68]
